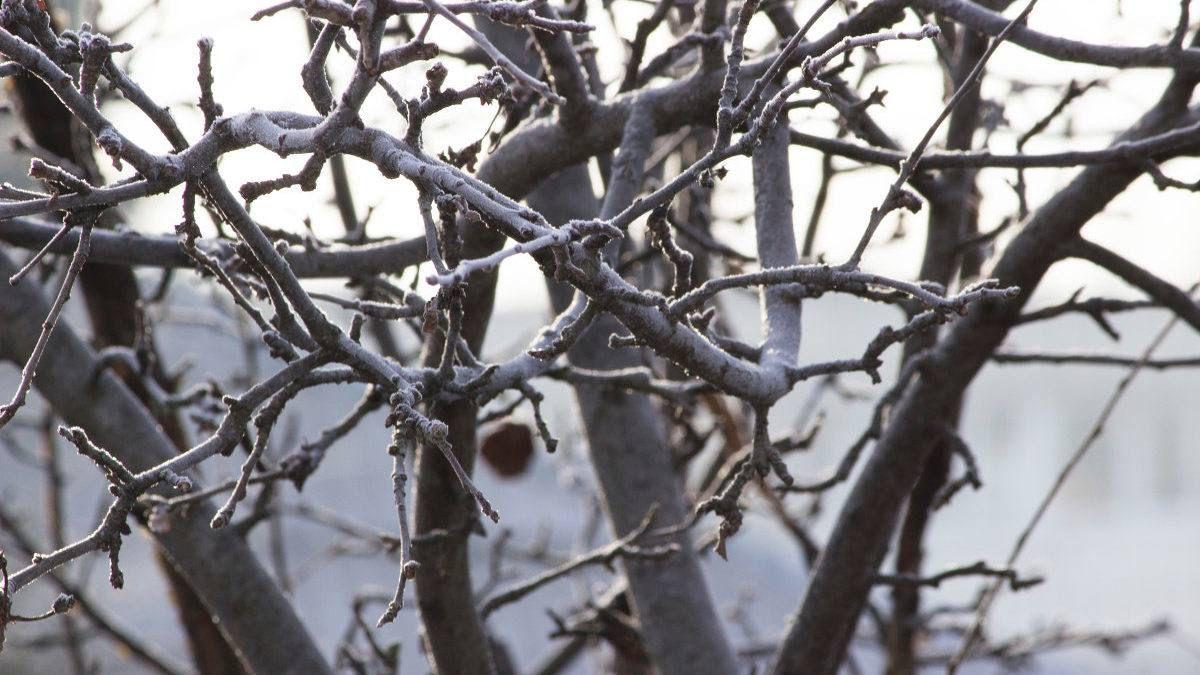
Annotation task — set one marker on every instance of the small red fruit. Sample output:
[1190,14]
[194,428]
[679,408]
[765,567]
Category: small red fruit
[508,448]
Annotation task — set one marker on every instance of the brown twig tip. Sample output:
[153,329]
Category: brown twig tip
[978,569]
[407,571]
[389,614]
[486,507]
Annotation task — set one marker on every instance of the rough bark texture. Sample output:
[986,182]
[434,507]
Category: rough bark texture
[633,462]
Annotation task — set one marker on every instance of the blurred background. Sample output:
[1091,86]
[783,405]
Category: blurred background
[1119,549]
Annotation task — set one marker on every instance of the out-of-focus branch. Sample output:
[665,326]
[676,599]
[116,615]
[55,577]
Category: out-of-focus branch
[1159,290]
[974,632]
[218,565]
[139,250]
[977,17]
[1011,357]
[979,569]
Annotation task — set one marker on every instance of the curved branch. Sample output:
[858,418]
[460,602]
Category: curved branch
[978,18]
[1163,292]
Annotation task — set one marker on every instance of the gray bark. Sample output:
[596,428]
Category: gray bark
[776,242]
[633,463]
[628,445]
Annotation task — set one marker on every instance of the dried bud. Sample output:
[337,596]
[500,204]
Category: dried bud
[63,603]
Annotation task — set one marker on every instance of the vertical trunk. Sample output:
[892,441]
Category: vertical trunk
[628,444]
[453,633]
[634,465]
[952,211]
[455,637]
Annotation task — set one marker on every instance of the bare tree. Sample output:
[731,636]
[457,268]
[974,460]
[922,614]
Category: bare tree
[674,402]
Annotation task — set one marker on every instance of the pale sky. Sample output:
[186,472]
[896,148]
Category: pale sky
[256,65]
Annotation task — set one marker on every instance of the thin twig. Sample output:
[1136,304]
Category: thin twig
[625,547]
[974,632]
[891,201]
[9,410]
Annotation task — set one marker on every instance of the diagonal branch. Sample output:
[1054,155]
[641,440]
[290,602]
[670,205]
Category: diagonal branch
[1157,289]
